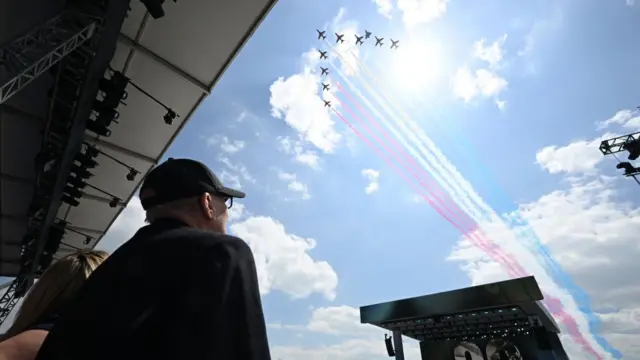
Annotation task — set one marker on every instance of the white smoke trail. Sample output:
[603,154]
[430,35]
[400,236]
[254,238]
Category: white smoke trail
[429,156]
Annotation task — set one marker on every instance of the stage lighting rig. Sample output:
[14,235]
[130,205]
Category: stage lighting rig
[111,93]
[131,175]
[170,116]
[629,143]
[154,7]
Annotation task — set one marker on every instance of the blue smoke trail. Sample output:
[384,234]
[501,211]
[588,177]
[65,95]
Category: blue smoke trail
[524,231]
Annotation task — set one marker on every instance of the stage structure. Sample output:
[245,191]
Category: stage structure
[499,321]
[629,143]
[92,93]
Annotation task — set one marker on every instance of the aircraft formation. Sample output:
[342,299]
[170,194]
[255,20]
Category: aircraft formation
[359,40]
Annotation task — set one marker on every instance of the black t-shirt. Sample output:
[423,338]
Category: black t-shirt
[171,292]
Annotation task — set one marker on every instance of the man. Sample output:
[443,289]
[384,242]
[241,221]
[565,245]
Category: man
[179,289]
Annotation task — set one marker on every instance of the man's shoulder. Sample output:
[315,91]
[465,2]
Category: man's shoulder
[208,239]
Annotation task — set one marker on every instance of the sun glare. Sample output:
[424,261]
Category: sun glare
[415,66]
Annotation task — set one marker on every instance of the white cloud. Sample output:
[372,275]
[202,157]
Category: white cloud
[352,340]
[577,157]
[296,99]
[372,177]
[467,85]
[493,53]
[592,234]
[416,12]
[630,2]
[300,154]
[226,145]
[385,7]
[237,171]
[629,119]
[283,260]
[294,184]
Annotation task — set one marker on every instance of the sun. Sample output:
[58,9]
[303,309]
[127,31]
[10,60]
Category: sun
[415,66]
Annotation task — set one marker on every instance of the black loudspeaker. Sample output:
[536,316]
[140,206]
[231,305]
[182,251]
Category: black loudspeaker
[388,341]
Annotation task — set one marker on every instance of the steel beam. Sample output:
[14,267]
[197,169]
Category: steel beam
[112,14]
[8,300]
[94,140]
[32,54]
[124,40]
[615,145]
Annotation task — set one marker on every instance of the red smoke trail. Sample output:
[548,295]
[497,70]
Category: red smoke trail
[471,231]
[513,267]
[511,271]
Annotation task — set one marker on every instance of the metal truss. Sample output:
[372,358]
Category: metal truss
[30,55]
[615,145]
[8,300]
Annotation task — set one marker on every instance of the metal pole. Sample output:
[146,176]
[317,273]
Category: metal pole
[397,345]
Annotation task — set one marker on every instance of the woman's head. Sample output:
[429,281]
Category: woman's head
[55,288]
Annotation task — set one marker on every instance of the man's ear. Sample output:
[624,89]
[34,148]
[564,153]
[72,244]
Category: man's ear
[207,207]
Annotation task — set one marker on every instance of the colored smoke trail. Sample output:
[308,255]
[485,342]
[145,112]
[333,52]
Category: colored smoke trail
[525,232]
[420,175]
[576,335]
[415,188]
[527,235]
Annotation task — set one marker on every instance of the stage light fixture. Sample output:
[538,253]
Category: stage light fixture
[633,147]
[86,161]
[154,7]
[114,88]
[114,202]
[98,128]
[628,168]
[389,344]
[169,117]
[70,201]
[132,174]
[81,172]
[87,240]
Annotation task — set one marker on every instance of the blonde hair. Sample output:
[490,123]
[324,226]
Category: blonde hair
[55,288]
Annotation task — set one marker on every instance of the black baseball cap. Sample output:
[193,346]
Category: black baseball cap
[177,179]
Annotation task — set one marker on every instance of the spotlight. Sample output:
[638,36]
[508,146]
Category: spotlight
[132,174]
[114,202]
[628,168]
[114,88]
[633,147]
[154,7]
[86,161]
[389,345]
[169,117]
[80,172]
[69,200]
[87,240]
[98,128]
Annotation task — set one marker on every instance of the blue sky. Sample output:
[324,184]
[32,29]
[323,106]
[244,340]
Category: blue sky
[517,115]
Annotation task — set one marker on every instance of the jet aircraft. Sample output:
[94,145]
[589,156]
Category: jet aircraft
[394,44]
[325,86]
[321,34]
[359,40]
[325,71]
[339,38]
[323,54]
[327,103]
[367,34]
[379,41]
